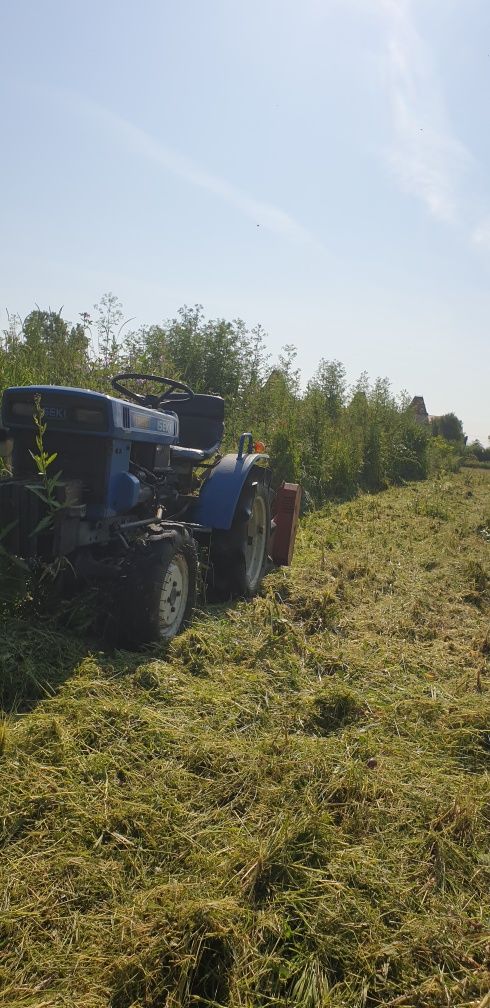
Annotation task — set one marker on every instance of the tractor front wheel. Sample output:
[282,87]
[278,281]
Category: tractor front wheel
[239,556]
[159,591]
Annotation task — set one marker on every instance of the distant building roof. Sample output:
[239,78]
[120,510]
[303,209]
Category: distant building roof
[419,408]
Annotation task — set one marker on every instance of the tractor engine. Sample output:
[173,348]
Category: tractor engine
[112,457]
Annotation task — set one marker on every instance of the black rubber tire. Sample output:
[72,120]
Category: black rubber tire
[142,586]
[228,577]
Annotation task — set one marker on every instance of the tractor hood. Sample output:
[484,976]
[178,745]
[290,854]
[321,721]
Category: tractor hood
[80,411]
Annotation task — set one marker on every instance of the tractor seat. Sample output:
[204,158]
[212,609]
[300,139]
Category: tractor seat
[193,455]
[201,427]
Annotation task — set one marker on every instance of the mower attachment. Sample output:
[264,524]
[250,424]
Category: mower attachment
[284,523]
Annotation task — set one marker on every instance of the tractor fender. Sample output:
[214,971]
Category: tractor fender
[217,501]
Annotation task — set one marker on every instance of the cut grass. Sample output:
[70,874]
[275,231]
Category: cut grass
[290,808]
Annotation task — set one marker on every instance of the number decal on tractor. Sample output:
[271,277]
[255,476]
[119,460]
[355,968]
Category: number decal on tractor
[165,426]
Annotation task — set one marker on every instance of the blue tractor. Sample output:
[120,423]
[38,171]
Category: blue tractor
[144,498]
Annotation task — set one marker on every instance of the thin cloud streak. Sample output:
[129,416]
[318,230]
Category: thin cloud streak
[426,157]
[142,144]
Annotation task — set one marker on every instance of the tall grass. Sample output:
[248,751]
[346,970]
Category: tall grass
[334,438]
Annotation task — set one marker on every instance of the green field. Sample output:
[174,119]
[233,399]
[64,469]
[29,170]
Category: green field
[291,807]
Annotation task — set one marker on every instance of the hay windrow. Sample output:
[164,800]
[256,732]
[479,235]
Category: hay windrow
[290,807]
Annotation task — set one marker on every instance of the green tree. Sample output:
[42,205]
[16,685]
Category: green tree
[449,427]
[329,381]
[51,350]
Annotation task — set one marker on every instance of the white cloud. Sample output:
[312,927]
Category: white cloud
[428,160]
[142,144]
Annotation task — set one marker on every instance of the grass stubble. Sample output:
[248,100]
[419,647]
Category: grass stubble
[290,807]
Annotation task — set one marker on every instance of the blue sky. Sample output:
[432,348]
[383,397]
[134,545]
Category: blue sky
[319,166]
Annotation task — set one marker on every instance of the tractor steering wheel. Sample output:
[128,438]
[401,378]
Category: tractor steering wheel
[177,391]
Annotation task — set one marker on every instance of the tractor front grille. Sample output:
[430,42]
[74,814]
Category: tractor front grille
[21,512]
[24,529]
[79,457]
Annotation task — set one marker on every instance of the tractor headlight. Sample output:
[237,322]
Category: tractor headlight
[23,409]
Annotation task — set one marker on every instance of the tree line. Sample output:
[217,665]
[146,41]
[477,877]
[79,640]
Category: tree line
[334,438]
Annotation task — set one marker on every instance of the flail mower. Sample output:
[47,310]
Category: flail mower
[143,498]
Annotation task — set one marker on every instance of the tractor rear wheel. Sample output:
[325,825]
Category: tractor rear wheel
[160,591]
[239,556]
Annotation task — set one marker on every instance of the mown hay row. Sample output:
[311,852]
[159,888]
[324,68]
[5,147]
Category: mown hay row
[291,807]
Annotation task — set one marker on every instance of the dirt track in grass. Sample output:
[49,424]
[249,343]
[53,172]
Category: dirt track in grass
[290,808]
